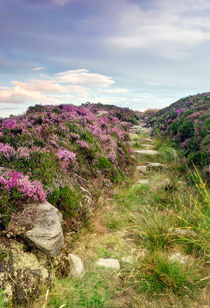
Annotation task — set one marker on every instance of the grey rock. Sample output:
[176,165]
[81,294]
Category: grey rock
[178,257]
[145,152]
[143,182]
[46,233]
[128,259]
[77,267]
[155,166]
[164,183]
[142,169]
[109,263]
[132,136]
[184,232]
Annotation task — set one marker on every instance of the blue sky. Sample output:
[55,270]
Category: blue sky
[135,53]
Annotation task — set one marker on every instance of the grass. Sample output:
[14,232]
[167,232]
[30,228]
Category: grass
[149,225]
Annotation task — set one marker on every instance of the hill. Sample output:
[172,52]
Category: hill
[187,121]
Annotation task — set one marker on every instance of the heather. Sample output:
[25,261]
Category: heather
[51,151]
[187,122]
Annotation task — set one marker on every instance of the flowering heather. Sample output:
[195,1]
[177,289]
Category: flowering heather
[7,150]
[15,181]
[66,157]
[83,144]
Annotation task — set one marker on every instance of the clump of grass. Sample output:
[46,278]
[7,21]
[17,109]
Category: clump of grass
[156,231]
[155,275]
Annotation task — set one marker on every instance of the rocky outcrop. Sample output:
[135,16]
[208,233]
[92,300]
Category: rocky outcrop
[21,274]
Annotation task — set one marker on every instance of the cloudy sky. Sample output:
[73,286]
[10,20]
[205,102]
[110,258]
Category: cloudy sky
[136,53]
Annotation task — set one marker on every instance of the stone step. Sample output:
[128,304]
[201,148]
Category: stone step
[141,169]
[143,182]
[155,166]
[146,152]
[108,263]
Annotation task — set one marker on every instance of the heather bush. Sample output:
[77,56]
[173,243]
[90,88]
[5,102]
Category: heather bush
[51,143]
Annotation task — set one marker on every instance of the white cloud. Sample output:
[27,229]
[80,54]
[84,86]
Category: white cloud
[170,28]
[41,86]
[41,68]
[55,89]
[114,90]
[83,77]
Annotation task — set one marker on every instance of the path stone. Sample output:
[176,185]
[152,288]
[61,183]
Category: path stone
[178,257]
[143,182]
[77,267]
[145,152]
[128,259]
[109,263]
[184,232]
[142,169]
[146,140]
[148,146]
[164,183]
[155,166]
[132,136]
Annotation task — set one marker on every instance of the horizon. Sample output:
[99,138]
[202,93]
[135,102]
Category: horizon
[131,53]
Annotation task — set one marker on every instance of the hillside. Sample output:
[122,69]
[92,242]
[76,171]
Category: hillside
[187,121]
[96,212]
[52,150]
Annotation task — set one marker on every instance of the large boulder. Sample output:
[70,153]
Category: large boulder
[46,232]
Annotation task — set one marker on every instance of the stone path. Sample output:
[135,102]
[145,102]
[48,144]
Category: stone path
[142,171]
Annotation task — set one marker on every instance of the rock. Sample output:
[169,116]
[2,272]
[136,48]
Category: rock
[139,129]
[143,182]
[147,146]
[77,267]
[178,257]
[21,274]
[145,152]
[128,259]
[46,233]
[164,184]
[184,232]
[109,263]
[146,140]
[155,166]
[132,136]
[181,183]
[142,169]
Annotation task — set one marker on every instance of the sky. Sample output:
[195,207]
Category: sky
[132,53]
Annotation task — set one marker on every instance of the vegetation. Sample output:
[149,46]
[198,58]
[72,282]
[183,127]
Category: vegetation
[188,123]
